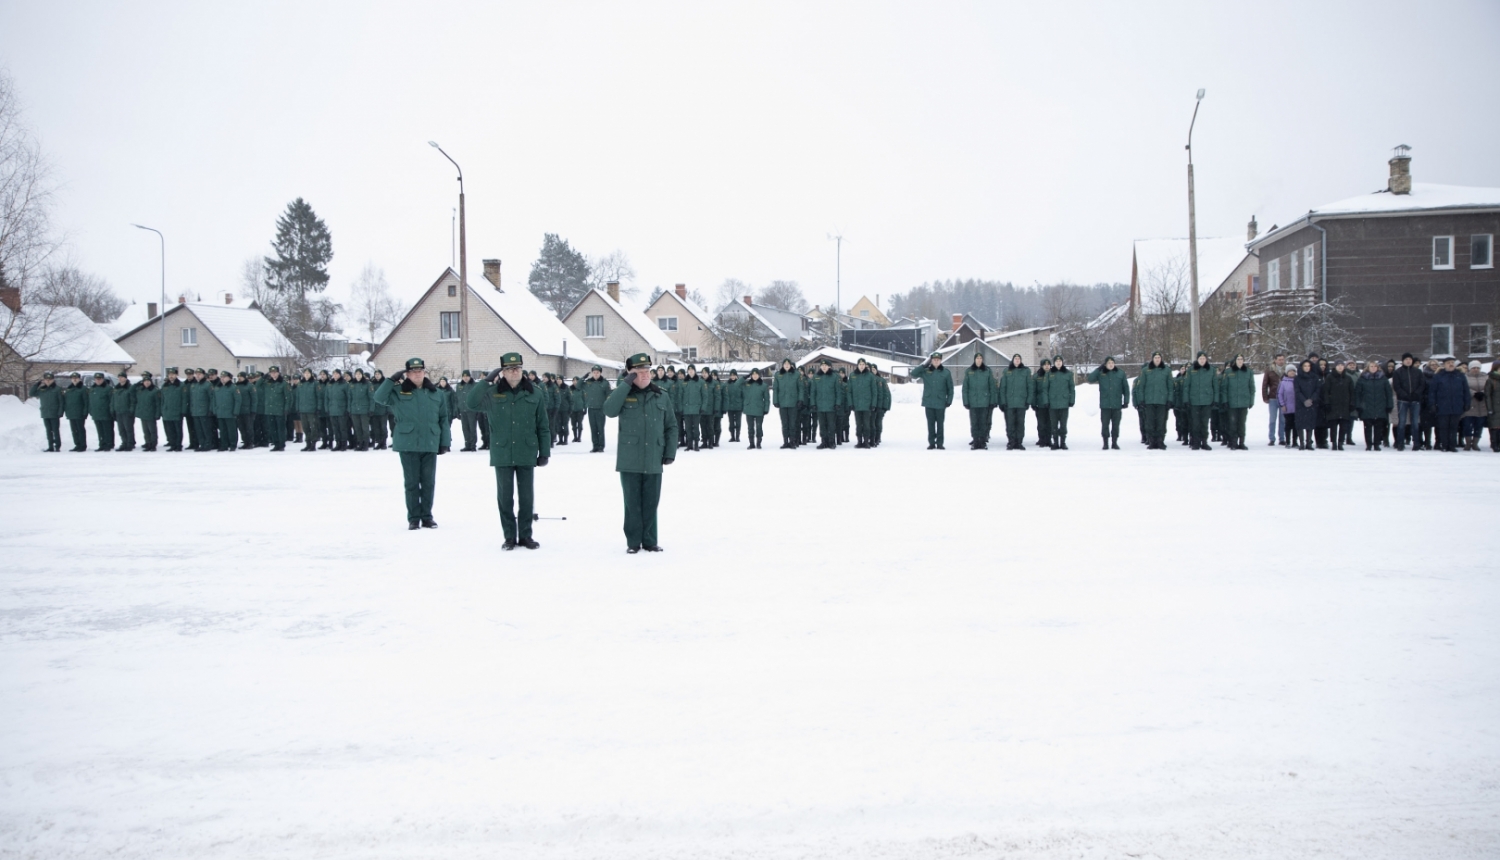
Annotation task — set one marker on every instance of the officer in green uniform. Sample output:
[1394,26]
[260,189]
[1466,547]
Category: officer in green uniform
[647,439]
[226,408]
[825,395]
[937,396]
[1198,388]
[520,441]
[1114,396]
[734,403]
[755,401]
[173,408]
[380,429]
[980,396]
[51,403]
[882,406]
[595,392]
[863,391]
[359,411]
[275,398]
[309,399]
[786,389]
[100,413]
[1014,395]
[122,407]
[1061,396]
[468,418]
[422,433]
[147,409]
[244,410]
[575,399]
[76,410]
[201,410]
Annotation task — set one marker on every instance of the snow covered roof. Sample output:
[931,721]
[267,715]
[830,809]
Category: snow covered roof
[59,335]
[243,330]
[1109,317]
[692,308]
[1217,260]
[649,331]
[750,309]
[133,317]
[882,364]
[533,322]
[1424,197]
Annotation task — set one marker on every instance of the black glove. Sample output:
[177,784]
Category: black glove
[541,461]
[397,377]
[493,375]
[442,449]
[666,461]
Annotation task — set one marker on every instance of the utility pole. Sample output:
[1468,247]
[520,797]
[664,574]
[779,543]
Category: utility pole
[1196,337]
[463,267]
[161,310]
[838,285]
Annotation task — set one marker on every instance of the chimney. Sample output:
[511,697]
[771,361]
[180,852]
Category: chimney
[229,298]
[681,290]
[11,298]
[1400,181]
[181,300]
[492,274]
[150,310]
[958,320]
[747,301]
[613,288]
[1251,230]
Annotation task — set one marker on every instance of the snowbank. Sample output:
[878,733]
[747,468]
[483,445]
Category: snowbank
[21,425]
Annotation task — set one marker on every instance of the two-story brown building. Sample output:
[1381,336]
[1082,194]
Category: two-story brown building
[1414,264]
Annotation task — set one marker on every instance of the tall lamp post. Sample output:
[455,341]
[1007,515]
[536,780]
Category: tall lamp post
[463,267]
[838,285]
[161,310]
[1193,236]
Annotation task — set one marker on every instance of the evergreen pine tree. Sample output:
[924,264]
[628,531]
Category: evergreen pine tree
[560,275]
[303,248]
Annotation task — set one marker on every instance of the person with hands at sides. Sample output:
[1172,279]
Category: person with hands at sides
[646,441]
[520,441]
[422,433]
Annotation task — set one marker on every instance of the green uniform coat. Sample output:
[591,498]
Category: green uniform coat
[981,390]
[1114,388]
[422,418]
[519,429]
[937,385]
[647,432]
[1014,389]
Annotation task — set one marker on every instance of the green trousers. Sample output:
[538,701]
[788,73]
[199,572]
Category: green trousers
[419,471]
[596,428]
[148,433]
[173,429]
[227,433]
[755,427]
[864,427]
[510,482]
[935,425]
[54,433]
[276,431]
[826,429]
[979,424]
[642,493]
[1154,419]
[1109,423]
[1198,424]
[310,429]
[790,431]
[1059,419]
[1015,425]
[361,434]
[125,427]
[1236,422]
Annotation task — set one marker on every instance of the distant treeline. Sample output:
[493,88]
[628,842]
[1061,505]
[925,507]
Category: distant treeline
[1005,305]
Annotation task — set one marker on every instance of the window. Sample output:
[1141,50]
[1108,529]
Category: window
[448,325]
[1442,252]
[249,368]
[594,326]
[667,323]
[453,289]
[1273,275]
[1442,340]
[1292,270]
[1308,266]
[1479,340]
[1482,252]
[690,353]
[189,337]
[1254,284]
[865,314]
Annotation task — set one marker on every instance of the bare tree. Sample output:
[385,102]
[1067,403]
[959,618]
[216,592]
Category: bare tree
[373,307]
[728,292]
[26,191]
[614,266]
[786,295]
[40,335]
[1297,330]
[69,286]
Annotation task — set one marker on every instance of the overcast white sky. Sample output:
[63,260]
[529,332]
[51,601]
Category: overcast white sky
[1025,142]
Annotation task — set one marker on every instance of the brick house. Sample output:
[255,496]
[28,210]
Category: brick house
[689,326]
[615,331]
[226,335]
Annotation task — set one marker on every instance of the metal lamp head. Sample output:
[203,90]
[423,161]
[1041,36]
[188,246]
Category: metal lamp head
[1200,98]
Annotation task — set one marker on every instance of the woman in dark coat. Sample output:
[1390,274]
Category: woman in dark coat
[1309,387]
[1338,404]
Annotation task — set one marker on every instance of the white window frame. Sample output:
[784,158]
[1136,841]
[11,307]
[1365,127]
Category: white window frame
[1449,350]
[249,368]
[690,353]
[190,336]
[1293,270]
[1309,268]
[666,323]
[1488,340]
[1273,275]
[593,326]
[1489,239]
[865,314]
[1435,264]
[446,332]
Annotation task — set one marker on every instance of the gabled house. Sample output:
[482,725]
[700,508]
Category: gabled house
[1032,344]
[868,310]
[225,336]
[1412,264]
[616,331]
[1161,278]
[500,321]
[688,326]
[41,338]
[895,370]
[966,327]
[761,331]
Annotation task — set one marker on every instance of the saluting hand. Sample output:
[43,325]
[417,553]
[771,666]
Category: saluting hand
[398,376]
[492,376]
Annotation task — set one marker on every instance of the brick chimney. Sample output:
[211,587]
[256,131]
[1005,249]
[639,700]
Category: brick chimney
[1400,181]
[229,298]
[958,320]
[681,290]
[613,288]
[747,301]
[150,310]
[182,300]
[492,274]
[11,298]
[1251,230]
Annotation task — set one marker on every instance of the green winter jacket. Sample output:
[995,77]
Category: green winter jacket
[377,410]
[226,401]
[1114,388]
[734,395]
[1061,390]
[519,430]
[1373,396]
[336,398]
[51,398]
[1154,386]
[147,402]
[76,402]
[825,391]
[787,388]
[244,403]
[1039,395]
[273,396]
[575,399]
[1239,387]
[595,392]
[864,389]
[122,400]
[755,397]
[1198,386]
[359,397]
[173,400]
[423,422]
[647,433]
[1014,390]
[309,397]
[690,394]
[99,402]
[981,390]
[937,385]
[200,397]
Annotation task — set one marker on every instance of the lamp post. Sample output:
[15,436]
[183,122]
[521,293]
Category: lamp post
[838,285]
[1193,237]
[161,309]
[463,267]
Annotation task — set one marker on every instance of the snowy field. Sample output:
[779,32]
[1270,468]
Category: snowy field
[855,654]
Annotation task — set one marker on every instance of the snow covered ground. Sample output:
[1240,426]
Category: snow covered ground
[856,654]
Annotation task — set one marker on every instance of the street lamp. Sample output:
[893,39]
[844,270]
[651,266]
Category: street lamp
[463,267]
[838,285]
[1193,235]
[161,310]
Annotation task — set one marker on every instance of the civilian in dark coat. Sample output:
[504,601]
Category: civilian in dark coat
[1374,400]
[1338,404]
[1309,388]
[1448,396]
